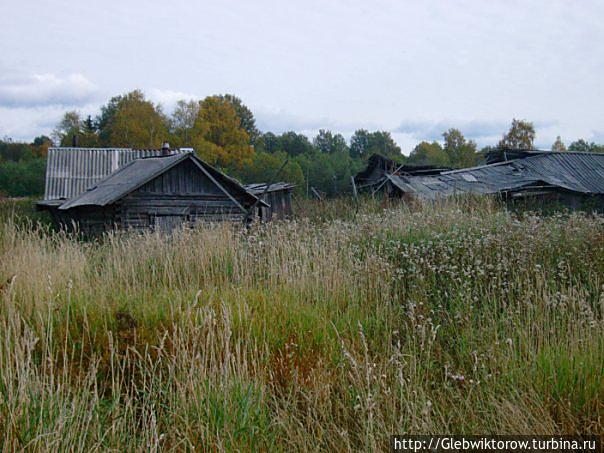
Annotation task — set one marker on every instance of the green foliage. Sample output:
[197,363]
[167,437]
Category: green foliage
[182,123]
[460,152]
[68,128]
[246,117]
[105,120]
[136,122]
[429,154]
[364,144]
[22,178]
[40,145]
[264,167]
[22,167]
[360,143]
[268,142]
[584,146]
[291,143]
[329,173]
[327,333]
[23,213]
[14,152]
[327,142]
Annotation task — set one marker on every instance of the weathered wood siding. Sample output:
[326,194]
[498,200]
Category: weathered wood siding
[89,221]
[281,204]
[182,191]
[554,200]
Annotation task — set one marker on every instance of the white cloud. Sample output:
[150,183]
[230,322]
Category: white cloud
[39,90]
[26,123]
[279,121]
[340,64]
[481,131]
[169,98]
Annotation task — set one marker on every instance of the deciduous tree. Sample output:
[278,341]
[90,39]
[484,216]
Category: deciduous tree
[267,142]
[461,152]
[520,136]
[182,122]
[294,144]
[426,153]
[248,122]
[137,122]
[218,136]
[360,143]
[364,143]
[264,166]
[69,126]
[41,145]
[585,146]
[327,142]
[558,145]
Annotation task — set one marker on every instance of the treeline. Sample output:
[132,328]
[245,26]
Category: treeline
[223,131]
[22,167]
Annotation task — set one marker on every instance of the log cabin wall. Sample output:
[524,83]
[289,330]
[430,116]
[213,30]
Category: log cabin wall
[181,195]
[182,192]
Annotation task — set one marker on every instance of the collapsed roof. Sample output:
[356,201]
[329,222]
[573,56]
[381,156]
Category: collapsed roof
[260,188]
[570,171]
[379,166]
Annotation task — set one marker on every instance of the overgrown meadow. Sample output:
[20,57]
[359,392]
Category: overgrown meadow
[329,332]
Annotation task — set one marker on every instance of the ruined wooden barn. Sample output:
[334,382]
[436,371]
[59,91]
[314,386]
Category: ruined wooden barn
[277,195]
[374,178]
[138,190]
[538,179]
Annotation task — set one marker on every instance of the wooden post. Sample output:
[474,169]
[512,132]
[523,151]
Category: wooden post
[314,191]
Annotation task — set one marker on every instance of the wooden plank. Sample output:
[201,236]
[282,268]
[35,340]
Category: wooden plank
[220,186]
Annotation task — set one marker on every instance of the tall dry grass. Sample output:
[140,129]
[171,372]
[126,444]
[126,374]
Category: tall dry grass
[330,332]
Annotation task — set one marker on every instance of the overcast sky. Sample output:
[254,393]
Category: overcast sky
[414,68]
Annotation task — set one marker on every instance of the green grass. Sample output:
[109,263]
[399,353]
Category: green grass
[330,332]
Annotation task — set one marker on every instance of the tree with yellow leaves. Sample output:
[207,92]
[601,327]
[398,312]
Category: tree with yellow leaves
[218,136]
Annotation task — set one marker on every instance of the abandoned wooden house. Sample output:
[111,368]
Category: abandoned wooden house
[277,195]
[538,179]
[148,189]
[374,177]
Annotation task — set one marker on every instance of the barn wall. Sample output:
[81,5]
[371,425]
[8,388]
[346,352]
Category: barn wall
[558,200]
[281,204]
[182,191]
[182,195]
[89,221]
[139,210]
[186,178]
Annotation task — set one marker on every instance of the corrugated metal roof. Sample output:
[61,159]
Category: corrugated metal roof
[577,172]
[140,171]
[70,171]
[123,181]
